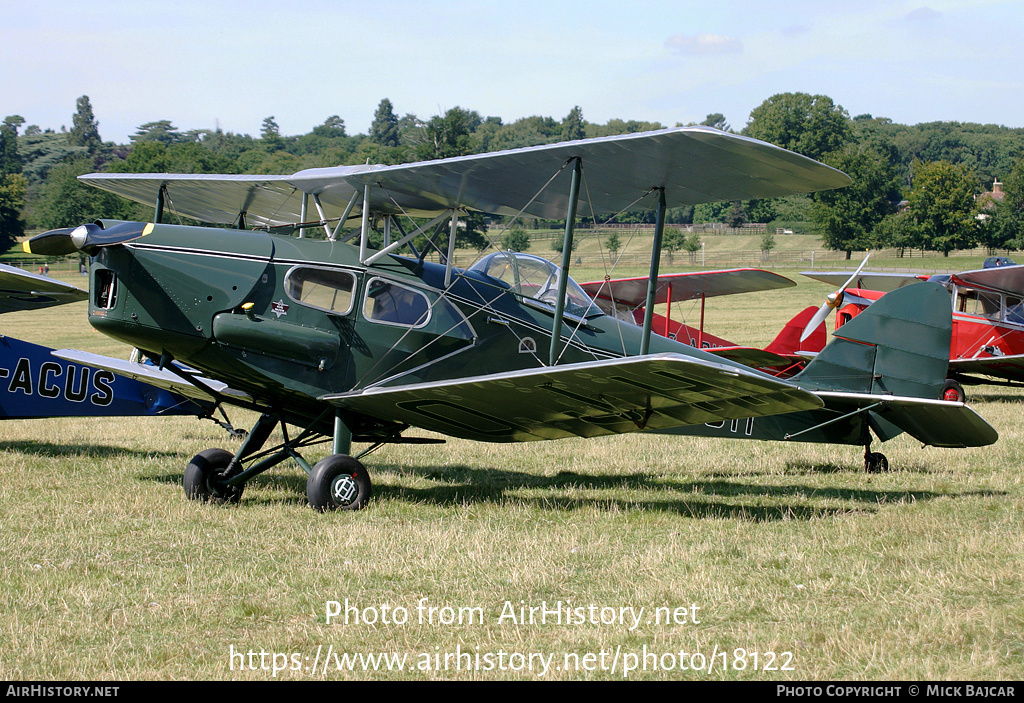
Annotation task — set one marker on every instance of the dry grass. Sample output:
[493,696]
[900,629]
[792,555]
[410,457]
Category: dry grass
[106,572]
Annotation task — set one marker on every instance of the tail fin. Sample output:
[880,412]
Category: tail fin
[898,346]
[788,342]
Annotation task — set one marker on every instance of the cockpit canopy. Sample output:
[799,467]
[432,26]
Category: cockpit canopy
[535,279]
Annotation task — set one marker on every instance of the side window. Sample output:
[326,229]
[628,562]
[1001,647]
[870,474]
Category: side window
[327,289]
[395,304]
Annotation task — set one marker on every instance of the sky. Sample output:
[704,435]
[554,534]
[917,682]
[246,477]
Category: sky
[227,64]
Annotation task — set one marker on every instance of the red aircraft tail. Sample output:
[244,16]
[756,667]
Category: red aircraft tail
[788,343]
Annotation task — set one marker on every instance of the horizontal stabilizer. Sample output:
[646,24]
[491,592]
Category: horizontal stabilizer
[588,399]
[937,423]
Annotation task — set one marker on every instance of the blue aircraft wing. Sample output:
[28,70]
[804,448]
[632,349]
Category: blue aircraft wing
[34,383]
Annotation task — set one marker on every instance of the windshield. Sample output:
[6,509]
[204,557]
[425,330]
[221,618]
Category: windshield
[537,279]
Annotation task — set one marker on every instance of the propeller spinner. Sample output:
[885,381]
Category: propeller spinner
[832,301]
[86,238]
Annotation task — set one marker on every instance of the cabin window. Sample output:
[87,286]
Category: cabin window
[395,304]
[976,302]
[328,289]
[1014,310]
[537,279]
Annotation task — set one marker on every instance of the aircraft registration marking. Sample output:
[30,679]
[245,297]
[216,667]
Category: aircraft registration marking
[80,383]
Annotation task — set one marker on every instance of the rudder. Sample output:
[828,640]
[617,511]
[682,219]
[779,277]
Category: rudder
[898,346]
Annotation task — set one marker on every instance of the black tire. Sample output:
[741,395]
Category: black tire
[204,477]
[951,390]
[338,482]
[876,462]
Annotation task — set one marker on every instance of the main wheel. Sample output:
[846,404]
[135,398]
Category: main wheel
[951,390]
[338,482]
[204,478]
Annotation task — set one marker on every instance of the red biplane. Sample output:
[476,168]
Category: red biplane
[626,299]
[987,345]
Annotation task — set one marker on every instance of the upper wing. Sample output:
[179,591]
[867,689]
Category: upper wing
[1006,279]
[884,282]
[582,400]
[674,287]
[21,290]
[693,165]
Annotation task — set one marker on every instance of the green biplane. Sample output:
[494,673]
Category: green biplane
[354,344]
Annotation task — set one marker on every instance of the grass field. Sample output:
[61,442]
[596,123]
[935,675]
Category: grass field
[762,561]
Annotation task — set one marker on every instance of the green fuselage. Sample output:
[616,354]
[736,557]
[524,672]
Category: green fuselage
[289,320]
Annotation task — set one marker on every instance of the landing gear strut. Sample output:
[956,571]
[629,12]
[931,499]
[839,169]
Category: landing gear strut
[337,482]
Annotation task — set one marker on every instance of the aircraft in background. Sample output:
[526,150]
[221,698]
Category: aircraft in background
[350,344]
[36,384]
[987,342]
[626,299]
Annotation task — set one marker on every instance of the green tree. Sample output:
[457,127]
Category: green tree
[384,130]
[943,206]
[704,213]
[847,217]
[85,130]
[767,243]
[516,239]
[161,131]
[716,120]
[12,199]
[613,243]
[67,202]
[811,125]
[672,240]
[1008,224]
[736,217]
[898,231]
[763,210]
[558,243]
[10,158]
[572,125]
[271,135]
[691,245]
[448,135]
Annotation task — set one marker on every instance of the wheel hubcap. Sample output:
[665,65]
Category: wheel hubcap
[344,489]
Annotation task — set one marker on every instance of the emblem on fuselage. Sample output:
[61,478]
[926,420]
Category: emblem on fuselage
[279,308]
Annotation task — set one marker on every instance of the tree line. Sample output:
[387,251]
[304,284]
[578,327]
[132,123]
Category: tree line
[914,186]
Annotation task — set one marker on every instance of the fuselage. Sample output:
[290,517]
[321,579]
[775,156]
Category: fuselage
[289,320]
